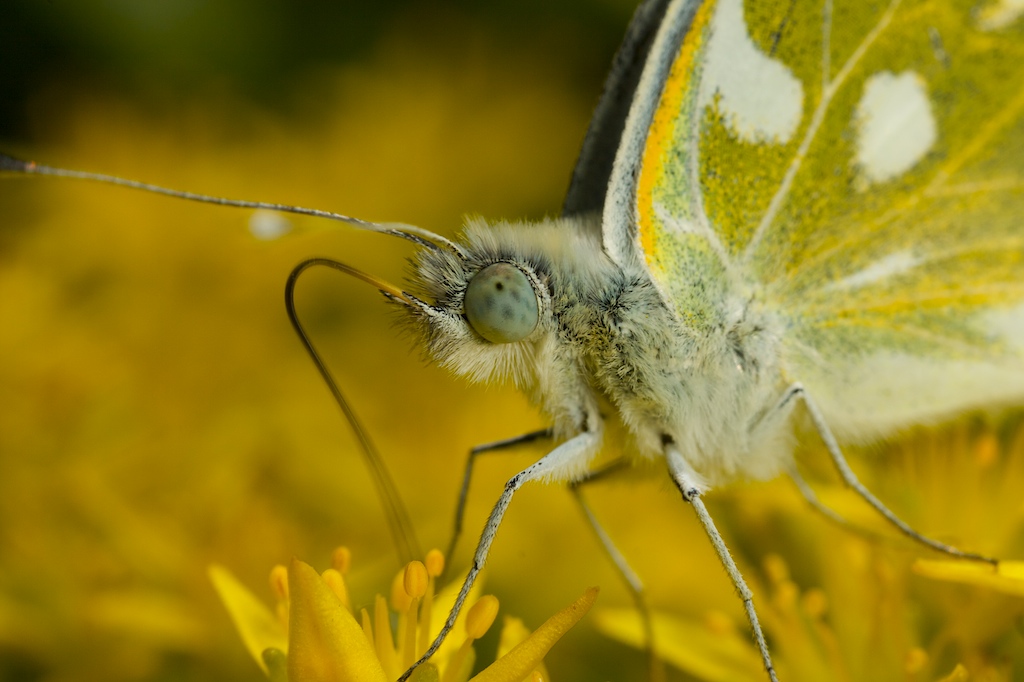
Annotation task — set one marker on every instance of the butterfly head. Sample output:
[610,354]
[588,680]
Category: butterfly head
[490,302]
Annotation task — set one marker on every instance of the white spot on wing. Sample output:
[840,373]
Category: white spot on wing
[890,266]
[1000,14]
[760,96]
[895,123]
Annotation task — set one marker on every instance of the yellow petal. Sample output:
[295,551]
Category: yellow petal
[258,627]
[326,643]
[520,662]
[1007,577]
[691,645]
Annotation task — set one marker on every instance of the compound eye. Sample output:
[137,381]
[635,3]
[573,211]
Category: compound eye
[500,303]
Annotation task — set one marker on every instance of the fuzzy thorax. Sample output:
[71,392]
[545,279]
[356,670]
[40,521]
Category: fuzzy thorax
[603,329]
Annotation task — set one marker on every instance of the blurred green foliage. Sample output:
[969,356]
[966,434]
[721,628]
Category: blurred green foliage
[263,50]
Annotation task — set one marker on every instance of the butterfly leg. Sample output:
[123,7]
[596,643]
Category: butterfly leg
[846,473]
[467,475]
[655,667]
[692,487]
[771,420]
[559,464]
[812,499]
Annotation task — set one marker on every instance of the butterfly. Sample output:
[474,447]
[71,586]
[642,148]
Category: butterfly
[812,204]
[807,207]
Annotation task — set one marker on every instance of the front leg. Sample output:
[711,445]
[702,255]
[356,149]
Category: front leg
[561,464]
[467,476]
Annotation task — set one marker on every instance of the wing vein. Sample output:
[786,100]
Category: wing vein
[812,129]
[1009,114]
[916,303]
[999,245]
[1007,184]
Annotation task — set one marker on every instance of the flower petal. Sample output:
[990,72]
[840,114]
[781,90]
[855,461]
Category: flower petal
[258,627]
[518,663]
[326,643]
[513,633]
[688,644]
[1007,577]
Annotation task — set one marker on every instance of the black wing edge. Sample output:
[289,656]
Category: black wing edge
[593,169]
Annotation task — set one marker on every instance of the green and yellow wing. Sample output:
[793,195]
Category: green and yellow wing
[856,166]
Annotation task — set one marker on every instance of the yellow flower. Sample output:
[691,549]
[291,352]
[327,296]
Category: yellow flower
[315,636]
[848,607]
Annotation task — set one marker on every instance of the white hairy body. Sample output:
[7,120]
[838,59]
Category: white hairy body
[605,333]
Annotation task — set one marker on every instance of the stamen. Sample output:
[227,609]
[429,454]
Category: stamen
[336,582]
[785,596]
[776,568]
[408,645]
[383,641]
[435,563]
[279,584]
[415,584]
[785,592]
[341,559]
[481,616]
[279,581]
[415,579]
[719,624]
[815,603]
[478,621]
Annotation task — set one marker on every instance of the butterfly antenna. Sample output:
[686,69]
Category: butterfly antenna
[411,233]
[398,520]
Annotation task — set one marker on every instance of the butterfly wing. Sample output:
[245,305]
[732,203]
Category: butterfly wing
[860,167]
[594,166]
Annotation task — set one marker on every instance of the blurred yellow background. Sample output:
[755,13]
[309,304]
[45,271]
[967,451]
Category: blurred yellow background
[157,413]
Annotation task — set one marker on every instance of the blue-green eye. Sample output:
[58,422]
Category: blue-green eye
[500,304]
